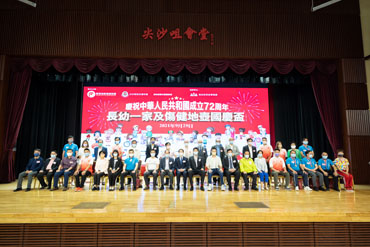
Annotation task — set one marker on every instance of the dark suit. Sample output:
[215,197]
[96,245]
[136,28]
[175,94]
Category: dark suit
[168,172]
[196,165]
[203,152]
[96,152]
[50,173]
[118,166]
[150,148]
[253,155]
[227,165]
[181,165]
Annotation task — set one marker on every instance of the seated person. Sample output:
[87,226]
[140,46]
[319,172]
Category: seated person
[295,169]
[114,169]
[167,168]
[214,166]
[277,166]
[32,168]
[83,170]
[181,166]
[231,167]
[262,169]
[311,167]
[197,167]
[248,168]
[49,168]
[341,166]
[66,168]
[129,169]
[101,169]
[152,166]
[327,169]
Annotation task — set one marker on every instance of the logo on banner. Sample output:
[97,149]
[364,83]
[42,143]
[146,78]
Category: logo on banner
[91,94]
[124,94]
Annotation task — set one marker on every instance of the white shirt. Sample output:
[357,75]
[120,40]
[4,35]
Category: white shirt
[152,163]
[102,165]
[213,162]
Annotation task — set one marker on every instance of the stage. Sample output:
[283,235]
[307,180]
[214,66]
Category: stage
[44,206]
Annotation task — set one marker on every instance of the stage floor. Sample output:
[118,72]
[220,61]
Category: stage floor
[43,206]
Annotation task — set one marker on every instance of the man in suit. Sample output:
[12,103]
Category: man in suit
[49,168]
[202,149]
[152,146]
[196,166]
[99,148]
[252,149]
[233,147]
[182,166]
[167,167]
[231,167]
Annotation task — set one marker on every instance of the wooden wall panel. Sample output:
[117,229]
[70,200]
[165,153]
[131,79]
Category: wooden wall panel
[332,234]
[42,235]
[224,234]
[356,96]
[116,234]
[358,122]
[359,158]
[241,28]
[296,234]
[255,234]
[11,235]
[185,234]
[78,235]
[359,233]
[354,70]
[147,234]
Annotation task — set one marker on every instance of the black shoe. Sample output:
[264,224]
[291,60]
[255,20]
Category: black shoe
[236,189]
[122,188]
[191,188]
[201,188]
[184,188]
[49,188]
[322,188]
[42,187]
[54,189]
[154,187]
[17,189]
[254,188]
[315,189]
[28,189]
[328,189]
[161,188]
[171,188]
[246,188]
[146,188]
[336,189]
[134,188]
[230,188]
[178,188]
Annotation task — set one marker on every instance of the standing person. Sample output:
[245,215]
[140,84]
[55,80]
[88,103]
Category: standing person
[214,166]
[152,146]
[66,168]
[32,168]
[118,146]
[137,154]
[220,151]
[49,168]
[152,166]
[182,166]
[233,147]
[81,150]
[266,149]
[130,168]
[101,169]
[311,167]
[262,170]
[248,169]
[249,147]
[114,169]
[187,149]
[326,168]
[342,168]
[197,166]
[70,145]
[298,154]
[231,167]
[83,170]
[99,148]
[283,152]
[305,147]
[202,149]
[167,168]
[295,169]
[277,166]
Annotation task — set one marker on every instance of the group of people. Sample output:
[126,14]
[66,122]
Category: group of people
[227,161]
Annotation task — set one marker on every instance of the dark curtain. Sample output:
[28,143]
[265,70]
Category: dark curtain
[297,116]
[17,98]
[52,113]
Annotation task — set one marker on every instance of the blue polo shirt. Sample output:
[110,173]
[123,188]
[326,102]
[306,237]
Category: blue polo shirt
[131,163]
[72,146]
[294,164]
[309,163]
[325,164]
[304,149]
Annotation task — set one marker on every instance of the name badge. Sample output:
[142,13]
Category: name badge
[199,160]
[184,161]
[54,162]
[222,150]
[37,161]
[170,162]
[71,162]
[234,161]
[155,148]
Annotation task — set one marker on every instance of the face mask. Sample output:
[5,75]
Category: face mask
[246,156]
[293,147]
[100,144]
[324,157]
[213,153]
[167,155]
[259,155]
[218,143]
[230,154]
[205,141]
[277,154]
[131,155]
[69,154]
[195,153]
[181,154]
[70,141]
[340,155]
[186,144]
[117,142]
[264,142]
[134,145]
[250,143]
[36,154]
[85,145]
[53,156]
[152,154]
[231,142]
[115,154]
[310,156]
[153,142]
[293,155]
[87,154]
[305,142]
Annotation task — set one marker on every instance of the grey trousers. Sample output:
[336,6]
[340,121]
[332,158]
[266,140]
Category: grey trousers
[314,176]
[285,174]
[29,182]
